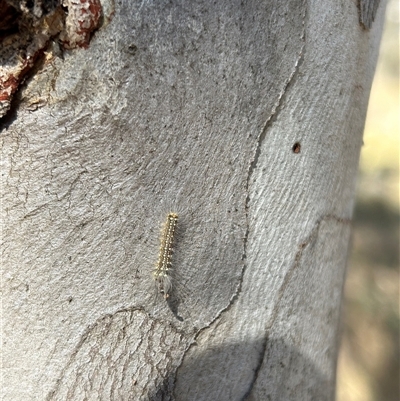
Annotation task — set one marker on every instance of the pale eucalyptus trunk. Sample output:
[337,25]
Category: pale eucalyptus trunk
[244,118]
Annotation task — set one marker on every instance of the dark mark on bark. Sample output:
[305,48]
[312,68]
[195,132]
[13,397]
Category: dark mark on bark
[296,147]
[367,12]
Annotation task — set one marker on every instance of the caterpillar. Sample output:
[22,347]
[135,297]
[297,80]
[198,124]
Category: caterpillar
[161,273]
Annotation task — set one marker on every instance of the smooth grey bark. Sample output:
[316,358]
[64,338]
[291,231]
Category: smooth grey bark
[244,117]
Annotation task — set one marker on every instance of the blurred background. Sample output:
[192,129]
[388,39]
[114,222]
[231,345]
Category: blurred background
[368,366]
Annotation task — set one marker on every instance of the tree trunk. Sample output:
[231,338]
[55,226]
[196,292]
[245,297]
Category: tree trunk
[245,119]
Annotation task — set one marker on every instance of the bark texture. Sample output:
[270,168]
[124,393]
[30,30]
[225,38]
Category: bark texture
[246,119]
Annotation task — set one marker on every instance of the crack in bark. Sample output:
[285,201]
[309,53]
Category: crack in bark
[286,280]
[275,112]
[252,167]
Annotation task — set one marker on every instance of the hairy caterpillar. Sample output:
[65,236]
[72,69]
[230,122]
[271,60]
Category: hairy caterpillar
[161,273]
